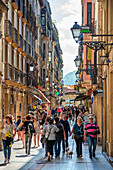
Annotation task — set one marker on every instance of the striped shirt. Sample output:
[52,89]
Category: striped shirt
[90,128]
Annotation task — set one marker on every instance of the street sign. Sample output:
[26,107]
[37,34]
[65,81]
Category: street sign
[84,29]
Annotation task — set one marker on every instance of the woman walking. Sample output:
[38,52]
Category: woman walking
[50,131]
[37,132]
[22,131]
[78,133]
[9,132]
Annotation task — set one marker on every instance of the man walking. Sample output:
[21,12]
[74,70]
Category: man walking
[92,130]
[67,131]
[59,135]
[29,130]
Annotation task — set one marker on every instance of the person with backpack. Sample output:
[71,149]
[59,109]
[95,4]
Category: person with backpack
[29,130]
[59,135]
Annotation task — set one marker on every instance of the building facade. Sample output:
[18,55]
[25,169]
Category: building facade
[105,30]
[27,41]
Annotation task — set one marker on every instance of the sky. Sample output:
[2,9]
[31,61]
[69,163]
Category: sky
[64,14]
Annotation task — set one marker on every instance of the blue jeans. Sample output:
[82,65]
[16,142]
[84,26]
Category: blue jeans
[92,142]
[7,150]
[57,146]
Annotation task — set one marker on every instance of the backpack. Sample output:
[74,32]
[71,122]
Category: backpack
[60,127]
[30,128]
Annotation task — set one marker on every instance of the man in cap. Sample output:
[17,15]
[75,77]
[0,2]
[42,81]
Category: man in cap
[92,130]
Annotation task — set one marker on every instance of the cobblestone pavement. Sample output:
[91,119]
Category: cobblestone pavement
[36,160]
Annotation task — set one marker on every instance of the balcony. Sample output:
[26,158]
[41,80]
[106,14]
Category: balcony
[92,26]
[20,47]
[44,55]
[21,77]
[15,4]
[36,32]
[29,49]
[25,47]
[36,57]
[15,38]
[20,8]
[29,18]
[16,75]
[42,2]
[33,52]
[39,51]
[39,21]
[8,31]
[8,72]
[24,18]
[26,80]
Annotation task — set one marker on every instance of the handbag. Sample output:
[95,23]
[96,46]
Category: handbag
[77,137]
[44,139]
[3,136]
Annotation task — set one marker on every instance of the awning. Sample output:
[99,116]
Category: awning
[82,97]
[44,96]
[36,97]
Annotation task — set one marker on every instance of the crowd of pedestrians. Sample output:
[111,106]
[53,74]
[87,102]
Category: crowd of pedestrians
[52,129]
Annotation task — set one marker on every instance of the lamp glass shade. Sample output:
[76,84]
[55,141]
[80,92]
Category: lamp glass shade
[76,82]
[77,74]
[47,78]
[77,61]
[76,29]
[31,67]
[53,83]
[55,86]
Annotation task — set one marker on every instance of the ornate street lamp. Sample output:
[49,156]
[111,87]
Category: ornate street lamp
[77,74]
[76,29]
[53,83]
[77,61]
[31,67]
[76,82]
[55,86]
[47,78]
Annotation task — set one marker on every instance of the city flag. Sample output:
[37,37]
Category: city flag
[92,97]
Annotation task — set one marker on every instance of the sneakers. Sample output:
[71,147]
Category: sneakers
[49,158]
[28,152]
[90,156]
[8,161]
[94,155]
[5,161]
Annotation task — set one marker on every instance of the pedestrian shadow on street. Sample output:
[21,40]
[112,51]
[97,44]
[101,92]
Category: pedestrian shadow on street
[3,164]
[20,156]
[17,148]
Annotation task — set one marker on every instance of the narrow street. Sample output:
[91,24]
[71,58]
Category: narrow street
[36,160]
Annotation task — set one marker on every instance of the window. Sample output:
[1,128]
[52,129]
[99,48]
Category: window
[43,19]
[89,13]
[88,59]
[43,74]
[15,19]
[15,58]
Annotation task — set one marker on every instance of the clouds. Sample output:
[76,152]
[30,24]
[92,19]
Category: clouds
[66,12]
